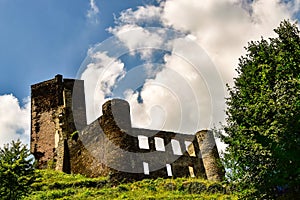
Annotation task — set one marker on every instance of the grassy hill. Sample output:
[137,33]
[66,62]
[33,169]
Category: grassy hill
[57,185]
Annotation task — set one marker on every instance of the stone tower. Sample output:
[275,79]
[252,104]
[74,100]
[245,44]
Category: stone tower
[52,120]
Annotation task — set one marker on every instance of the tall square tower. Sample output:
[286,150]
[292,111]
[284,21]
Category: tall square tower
[55,108]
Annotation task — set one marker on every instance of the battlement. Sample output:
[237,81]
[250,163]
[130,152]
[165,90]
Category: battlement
[110,145]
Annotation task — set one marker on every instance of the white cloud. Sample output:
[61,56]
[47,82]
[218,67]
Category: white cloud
[133,22]
[135,38]
[223,28]
[92,13]
[14,120]
[143,15]
[99,78]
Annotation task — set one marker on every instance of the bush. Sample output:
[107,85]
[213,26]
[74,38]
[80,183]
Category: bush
[194,187]
[216,188]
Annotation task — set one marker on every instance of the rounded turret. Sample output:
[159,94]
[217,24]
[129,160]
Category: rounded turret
[210,156]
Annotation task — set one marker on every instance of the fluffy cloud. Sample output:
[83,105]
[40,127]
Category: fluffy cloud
[144,15]
[14,120]
[99,77]
[93,12]
[223,28]
[133,36]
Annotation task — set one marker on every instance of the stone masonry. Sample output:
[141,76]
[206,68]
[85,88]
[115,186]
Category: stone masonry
[62,140]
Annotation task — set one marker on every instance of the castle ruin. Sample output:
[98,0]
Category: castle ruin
[62,140]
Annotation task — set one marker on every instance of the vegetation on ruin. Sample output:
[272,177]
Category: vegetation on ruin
[58,185]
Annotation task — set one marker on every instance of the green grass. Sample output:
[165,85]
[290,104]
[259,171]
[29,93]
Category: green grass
[58,185]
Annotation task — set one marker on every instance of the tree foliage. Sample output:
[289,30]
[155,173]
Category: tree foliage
[263,122]
[16,171]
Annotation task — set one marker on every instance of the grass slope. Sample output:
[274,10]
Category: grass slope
[57,185]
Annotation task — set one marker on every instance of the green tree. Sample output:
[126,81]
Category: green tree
[263,122]
[16,171]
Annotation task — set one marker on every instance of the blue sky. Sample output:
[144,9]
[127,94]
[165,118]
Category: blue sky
[171,82]
[42,38]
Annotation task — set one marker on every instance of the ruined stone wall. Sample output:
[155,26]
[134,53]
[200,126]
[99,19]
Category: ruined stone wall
[90,151]
[116,149]
[169,148]
[73,108]
[74,102]
[109,145]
